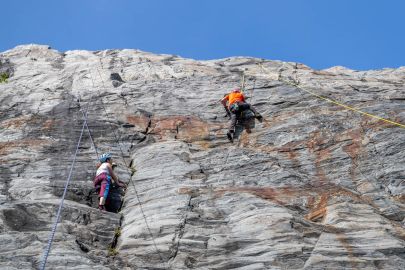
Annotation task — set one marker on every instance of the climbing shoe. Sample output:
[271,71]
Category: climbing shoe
[230,137]
[259,118]
[101,207]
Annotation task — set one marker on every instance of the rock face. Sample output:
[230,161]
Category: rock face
[315,186]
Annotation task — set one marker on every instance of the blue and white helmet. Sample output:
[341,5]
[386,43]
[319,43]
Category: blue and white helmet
[104,157]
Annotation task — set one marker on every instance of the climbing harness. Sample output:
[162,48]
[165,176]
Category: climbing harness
[296,85]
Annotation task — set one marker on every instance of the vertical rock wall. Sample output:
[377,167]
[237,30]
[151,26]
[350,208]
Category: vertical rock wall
[315,186]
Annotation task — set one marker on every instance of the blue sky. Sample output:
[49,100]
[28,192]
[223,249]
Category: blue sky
[358,34]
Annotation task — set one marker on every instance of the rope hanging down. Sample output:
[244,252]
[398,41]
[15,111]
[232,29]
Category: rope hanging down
[336,102]
[129,172]
[239,138]
[242,85]
[52,235]
[85,125]
[90,136]
[53,231]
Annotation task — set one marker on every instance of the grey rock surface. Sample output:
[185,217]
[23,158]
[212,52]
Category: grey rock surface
[315,186]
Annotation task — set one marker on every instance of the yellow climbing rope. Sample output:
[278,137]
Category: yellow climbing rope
[336,102]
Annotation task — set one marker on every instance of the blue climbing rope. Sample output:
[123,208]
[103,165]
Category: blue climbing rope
[52,235]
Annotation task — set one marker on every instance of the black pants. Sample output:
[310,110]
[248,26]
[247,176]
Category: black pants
[236,113]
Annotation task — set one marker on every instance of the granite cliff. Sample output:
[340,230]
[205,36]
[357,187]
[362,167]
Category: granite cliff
[315,186]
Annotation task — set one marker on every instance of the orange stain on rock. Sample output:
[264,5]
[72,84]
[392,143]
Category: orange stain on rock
[16,122]
[19,122]
[192,129]
[186,128]
[290,150]
[244,139]
[181,127]
[281,196]
[377,125]
[319,211]
[266,193]
[346,245]
[316,198]
[141,121]
[6,147]
[400,198]
[314,146]
[49,124]
[354,150]
[205,145]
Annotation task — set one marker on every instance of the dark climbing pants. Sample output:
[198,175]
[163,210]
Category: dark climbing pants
[236,113]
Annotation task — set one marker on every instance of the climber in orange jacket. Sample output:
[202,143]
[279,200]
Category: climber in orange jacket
[236,105]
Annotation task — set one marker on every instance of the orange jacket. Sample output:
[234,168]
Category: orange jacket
[232,98]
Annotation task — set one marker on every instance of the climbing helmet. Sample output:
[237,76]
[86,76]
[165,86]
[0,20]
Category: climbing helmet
[236,90]
[104,157]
